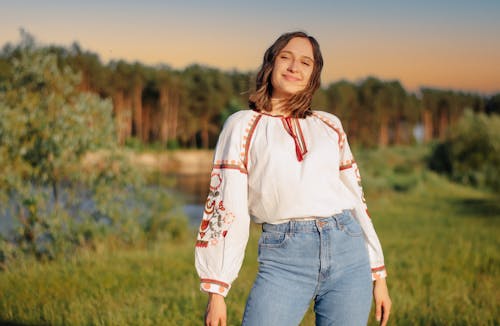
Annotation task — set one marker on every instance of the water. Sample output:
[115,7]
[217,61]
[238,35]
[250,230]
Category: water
[192,190]
[7,223]
[194,213]
[76,201]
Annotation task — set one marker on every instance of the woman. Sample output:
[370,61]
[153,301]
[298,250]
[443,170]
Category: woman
[291,170]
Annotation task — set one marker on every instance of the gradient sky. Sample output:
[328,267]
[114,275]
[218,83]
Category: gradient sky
[453,44]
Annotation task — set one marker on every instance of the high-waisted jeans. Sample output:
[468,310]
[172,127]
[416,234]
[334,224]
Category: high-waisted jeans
[324,260]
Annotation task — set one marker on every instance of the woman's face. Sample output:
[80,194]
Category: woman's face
[292,68]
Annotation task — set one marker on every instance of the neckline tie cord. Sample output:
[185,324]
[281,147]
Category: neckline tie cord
[292,126]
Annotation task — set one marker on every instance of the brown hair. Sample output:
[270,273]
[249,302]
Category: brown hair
[298,105]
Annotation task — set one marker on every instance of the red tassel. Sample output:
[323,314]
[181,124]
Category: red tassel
[300,157]
[289,129]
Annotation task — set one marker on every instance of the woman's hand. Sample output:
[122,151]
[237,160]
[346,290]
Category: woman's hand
[216,310]
[382,301]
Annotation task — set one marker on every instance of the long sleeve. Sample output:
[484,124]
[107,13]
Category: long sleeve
[350,176]
[224,228]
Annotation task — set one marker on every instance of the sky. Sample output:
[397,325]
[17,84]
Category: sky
[450,44]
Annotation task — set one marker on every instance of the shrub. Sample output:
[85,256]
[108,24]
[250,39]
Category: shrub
[471,152]
[46,128]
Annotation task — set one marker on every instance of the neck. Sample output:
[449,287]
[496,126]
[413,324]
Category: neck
[278,106]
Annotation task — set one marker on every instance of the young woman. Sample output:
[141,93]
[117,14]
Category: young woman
[290,169]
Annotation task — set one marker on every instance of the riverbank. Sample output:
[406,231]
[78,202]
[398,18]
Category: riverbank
[186,171]
[182,161]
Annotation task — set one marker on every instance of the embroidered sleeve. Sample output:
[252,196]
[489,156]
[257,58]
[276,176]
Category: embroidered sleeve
[224,228]
[350,176]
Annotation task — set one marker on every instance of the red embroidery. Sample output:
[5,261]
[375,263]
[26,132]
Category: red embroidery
[346,165]
[208,280]
[204,224]
[216,219]
[333,125]
[378,269]
[201,244]
[209,206]
[249,138]
[229,166]
[215,181]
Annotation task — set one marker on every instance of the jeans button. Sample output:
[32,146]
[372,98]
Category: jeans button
[321,223]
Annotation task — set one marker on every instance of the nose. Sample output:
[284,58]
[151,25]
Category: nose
[292,67]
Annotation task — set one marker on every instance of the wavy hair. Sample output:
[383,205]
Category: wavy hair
[299,104]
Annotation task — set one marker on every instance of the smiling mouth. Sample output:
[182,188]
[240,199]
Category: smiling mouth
[291,78]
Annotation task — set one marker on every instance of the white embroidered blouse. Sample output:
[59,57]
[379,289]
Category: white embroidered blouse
[274,169]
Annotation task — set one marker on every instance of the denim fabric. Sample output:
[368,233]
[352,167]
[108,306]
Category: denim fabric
[324,260]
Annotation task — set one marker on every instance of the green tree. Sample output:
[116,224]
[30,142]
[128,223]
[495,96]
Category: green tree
[373,121]
[209,93]
[343,101]
[46,128]
[46,124]
[492,105]
[470,153]
[411,117]
[91,69]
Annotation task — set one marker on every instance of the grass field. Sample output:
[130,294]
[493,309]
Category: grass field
[441,243]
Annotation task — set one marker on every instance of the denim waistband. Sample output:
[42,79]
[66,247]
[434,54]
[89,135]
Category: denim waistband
[296,226]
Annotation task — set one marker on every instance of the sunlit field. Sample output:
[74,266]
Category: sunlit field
[440,241]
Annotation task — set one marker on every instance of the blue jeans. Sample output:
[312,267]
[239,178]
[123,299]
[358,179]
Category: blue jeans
[324,260]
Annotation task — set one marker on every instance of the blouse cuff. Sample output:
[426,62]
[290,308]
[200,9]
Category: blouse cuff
[378,273]
[214,286]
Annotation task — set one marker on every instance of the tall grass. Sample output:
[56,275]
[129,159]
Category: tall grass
[440,242]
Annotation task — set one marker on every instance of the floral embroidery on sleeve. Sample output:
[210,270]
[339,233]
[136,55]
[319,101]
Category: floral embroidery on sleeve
[216,219]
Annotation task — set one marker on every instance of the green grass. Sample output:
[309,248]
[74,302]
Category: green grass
[440,242]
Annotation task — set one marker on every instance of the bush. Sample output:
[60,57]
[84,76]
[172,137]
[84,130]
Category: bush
[46,128]
[391,169]
[471,152]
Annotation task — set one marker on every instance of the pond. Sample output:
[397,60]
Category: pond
[192,189]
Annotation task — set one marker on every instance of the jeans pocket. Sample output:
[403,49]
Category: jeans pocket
[352,228]
[273,239]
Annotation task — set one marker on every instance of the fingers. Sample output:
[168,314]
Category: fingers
[212,319]
[222,321]
[382,302]
[216,322]
[215,314]
[378,311]
[386,311]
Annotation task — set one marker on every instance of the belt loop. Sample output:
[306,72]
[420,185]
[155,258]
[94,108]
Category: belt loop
[340,220]
[291,227]
[336,219]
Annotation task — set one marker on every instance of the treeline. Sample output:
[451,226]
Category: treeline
[186,108]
